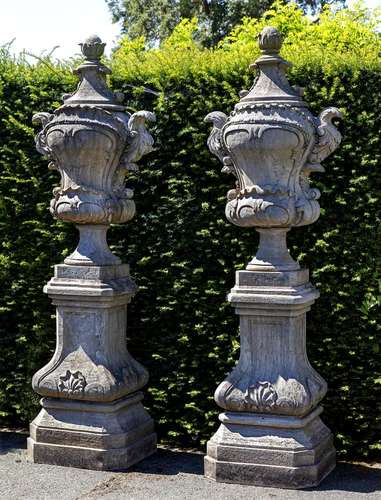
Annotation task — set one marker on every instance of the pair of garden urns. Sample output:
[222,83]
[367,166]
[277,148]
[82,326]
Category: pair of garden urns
[92,414]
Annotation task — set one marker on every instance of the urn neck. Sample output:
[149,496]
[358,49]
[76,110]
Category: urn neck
[92,249]
[272,254]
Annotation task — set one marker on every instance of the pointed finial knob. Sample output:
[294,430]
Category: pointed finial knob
[92,48]
[270,40]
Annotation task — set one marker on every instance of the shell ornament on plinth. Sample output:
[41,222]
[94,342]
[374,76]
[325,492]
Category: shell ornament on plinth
[271,143]
[93,142]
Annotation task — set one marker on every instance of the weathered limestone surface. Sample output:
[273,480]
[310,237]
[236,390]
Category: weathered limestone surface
[271,433]
[92,414]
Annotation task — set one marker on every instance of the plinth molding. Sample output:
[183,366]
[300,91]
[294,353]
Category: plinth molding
[92,435]
[286,452]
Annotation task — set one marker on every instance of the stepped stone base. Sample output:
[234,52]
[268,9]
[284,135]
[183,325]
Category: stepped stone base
[98,436]
[273,451]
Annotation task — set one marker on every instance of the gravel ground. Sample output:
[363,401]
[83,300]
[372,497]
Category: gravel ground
[170,475]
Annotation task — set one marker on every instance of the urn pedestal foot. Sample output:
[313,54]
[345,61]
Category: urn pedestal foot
[272,451]
[97,436]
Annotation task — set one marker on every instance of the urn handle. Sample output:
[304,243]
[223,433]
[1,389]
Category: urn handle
[41,145]
[141,141]
[328,139]
[215,141]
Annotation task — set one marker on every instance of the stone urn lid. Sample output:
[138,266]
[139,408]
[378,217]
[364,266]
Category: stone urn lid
[271,84]
[92,89]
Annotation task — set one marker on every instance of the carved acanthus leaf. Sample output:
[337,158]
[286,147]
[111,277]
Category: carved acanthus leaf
[262,395]
[141,141]
[329,139]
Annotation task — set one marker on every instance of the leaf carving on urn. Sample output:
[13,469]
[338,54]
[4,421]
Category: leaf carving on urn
[329,139]
[72,383]
[256,205]
[141,141]
[309,193]
[262,395]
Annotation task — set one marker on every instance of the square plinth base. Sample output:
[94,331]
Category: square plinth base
[106,436]
[265,450]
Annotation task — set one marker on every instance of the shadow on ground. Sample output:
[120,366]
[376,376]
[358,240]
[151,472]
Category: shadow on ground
[12,441]
[347,477]
[352,478]
[171,462]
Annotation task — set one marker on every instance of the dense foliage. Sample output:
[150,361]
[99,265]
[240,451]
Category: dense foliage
[182,251]
[156,19]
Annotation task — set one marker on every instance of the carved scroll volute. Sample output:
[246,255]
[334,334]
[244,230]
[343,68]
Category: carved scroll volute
[40,140]
[139,143]
[218,148]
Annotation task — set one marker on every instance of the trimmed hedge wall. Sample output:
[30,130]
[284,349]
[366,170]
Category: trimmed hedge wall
[183,252]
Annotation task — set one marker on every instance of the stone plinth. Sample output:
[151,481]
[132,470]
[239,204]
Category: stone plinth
[92,415]
[284,452]
[272,433]
[95,436]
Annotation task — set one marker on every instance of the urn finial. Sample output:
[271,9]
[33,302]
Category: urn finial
[270,40]
[92,88]
[92,48]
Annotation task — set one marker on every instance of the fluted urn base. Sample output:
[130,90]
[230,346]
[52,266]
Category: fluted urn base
[108,436]
[273,451]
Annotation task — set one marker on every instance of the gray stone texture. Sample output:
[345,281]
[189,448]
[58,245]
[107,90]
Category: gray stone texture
[92,414]
[271,433]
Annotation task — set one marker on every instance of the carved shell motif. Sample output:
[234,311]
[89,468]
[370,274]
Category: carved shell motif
[262,395]
[72,383]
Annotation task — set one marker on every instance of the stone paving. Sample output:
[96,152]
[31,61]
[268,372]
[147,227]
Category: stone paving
[170,474]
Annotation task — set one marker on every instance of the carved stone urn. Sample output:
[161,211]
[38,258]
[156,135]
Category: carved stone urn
[271,433]
[92,415]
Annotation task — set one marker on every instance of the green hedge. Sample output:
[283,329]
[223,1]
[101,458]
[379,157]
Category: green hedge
[182,251]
